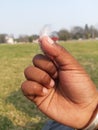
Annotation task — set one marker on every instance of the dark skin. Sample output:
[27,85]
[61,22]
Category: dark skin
[60,87]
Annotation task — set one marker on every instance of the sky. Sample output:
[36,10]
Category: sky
[29,16]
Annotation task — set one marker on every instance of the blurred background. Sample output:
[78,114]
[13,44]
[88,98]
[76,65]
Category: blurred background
[75,23]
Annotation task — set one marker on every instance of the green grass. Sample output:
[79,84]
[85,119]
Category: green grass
[16,112]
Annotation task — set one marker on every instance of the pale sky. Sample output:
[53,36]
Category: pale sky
[29,16]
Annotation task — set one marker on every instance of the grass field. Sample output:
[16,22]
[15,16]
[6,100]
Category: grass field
[16,112]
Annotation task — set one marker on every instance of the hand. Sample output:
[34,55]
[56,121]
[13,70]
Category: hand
[60,87]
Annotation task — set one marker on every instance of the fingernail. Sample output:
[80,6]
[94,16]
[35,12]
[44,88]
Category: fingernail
[50,41]
[46,39]
[45,90]
[52,83]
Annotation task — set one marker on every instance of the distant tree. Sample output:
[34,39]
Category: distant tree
[35,37]
[30,38]
[63,34]
[23,38]
[3,38]
[87,32]
[93,31]
[77,32]
[26,38]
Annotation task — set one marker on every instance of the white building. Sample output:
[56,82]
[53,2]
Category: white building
[9,40]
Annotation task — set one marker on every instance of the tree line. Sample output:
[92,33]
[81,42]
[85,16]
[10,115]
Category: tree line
[21,38]
[77,32]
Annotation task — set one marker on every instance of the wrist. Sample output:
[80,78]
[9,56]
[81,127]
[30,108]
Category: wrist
[93,122]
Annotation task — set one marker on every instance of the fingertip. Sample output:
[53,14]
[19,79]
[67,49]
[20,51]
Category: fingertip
[46,40]
[46,43]
[52,83]
[45,90]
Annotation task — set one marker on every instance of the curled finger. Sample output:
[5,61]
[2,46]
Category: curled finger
[38,75]
[45,63]
[31,88]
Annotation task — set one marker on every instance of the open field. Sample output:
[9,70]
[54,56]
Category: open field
[16,112]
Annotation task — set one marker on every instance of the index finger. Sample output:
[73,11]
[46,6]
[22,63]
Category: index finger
[46,64]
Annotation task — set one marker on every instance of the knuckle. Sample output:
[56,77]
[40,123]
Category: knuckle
[34,86]
[51,67]
[27,69]
[45,79]
[36,58]
[28,72]
[28,87]
[23,86]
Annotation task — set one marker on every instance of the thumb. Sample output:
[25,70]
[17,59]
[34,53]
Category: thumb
[59,54]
